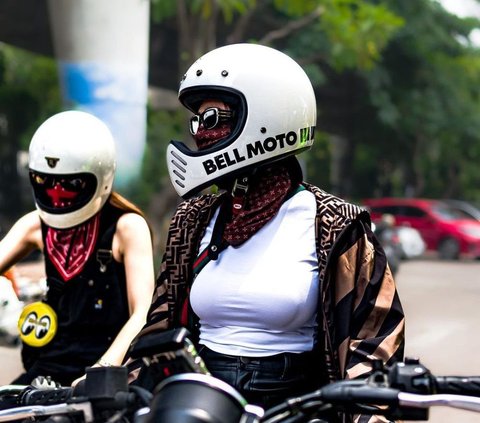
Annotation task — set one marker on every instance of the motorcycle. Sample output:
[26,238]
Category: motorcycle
[403,391]
[10,308]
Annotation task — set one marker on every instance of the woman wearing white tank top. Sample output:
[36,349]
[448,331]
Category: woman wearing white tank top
[283,286]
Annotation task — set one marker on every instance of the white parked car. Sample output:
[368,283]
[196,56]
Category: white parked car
[411,242]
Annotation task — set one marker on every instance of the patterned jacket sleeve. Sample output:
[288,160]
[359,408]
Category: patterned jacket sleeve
[175,271]
[368,316]
[170,282]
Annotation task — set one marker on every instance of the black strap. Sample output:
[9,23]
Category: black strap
[217,243]
[239,192]
[104,254]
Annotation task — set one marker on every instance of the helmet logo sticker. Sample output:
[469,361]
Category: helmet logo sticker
[52,161]
[257,148]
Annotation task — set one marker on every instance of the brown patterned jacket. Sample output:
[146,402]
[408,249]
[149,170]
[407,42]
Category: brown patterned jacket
[360,313]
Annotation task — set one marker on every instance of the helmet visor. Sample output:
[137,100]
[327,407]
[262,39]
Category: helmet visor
[58,194]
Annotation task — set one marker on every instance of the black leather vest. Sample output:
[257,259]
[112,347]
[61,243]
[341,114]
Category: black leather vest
[91,307]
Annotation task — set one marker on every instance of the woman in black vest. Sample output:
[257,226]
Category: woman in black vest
[97,248]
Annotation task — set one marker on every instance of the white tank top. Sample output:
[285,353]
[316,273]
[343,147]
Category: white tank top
[260,298]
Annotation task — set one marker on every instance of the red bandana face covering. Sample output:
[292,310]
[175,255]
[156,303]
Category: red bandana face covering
[205,138]
[267,192]
[70,249]
[60,196]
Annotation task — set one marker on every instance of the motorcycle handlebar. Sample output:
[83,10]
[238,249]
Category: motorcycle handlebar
[464,402]
[343,395]
[450,390]
[462,385]
[405,391]
[354,392]
[45,396]
[57,401]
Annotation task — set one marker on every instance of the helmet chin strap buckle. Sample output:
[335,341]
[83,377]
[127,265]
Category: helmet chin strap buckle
[217,243]
[239,191]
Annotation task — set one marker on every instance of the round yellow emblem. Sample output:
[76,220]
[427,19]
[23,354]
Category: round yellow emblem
[37,324]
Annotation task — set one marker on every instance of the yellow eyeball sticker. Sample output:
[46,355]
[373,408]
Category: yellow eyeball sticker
[37,324]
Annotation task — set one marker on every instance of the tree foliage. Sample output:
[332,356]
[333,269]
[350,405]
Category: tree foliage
[397,86]
[325,36]
[425,92]
[33,78]
[29,92]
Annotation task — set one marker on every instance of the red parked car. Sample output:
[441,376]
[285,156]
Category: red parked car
[442,229]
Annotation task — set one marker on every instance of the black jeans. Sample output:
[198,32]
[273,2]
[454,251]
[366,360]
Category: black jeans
[265,381]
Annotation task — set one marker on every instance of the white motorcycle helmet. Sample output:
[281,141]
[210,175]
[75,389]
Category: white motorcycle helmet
[274,113]
[72,167]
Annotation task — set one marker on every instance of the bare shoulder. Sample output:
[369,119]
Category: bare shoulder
[131,236]
[132,225]
[30,221]
[27,224]
[132,221]
[26,230]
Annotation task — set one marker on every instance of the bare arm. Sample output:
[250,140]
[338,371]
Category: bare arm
[24,237]
[132,245]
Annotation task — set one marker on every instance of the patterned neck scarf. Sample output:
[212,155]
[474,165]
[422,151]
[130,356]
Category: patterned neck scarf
[266,193]
[205,138]
[69,249]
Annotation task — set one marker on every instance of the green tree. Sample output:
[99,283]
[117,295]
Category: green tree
[425,92]
[29,92]
[325,36]
[405,123]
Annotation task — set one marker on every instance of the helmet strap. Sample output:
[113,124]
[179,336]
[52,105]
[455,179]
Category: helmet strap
[239,192]
[217,243]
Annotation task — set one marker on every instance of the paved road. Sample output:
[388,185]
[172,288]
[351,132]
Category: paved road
[441,302]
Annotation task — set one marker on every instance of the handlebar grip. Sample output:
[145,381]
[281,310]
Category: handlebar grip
[46,396]
[461,385]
